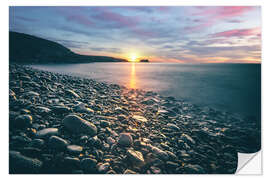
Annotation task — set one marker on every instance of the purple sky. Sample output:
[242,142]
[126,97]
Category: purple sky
[186,34]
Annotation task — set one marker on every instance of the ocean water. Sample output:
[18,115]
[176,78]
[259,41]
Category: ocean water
[234,88]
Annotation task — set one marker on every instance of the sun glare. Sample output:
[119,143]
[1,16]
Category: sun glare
[133,57]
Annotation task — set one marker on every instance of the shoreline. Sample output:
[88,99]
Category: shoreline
[129,131]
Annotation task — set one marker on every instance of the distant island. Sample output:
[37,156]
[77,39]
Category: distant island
[144,60]
[24,48]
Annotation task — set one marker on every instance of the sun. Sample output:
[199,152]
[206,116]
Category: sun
[133,57]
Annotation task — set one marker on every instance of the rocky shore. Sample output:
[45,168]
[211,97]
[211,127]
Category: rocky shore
[60,124]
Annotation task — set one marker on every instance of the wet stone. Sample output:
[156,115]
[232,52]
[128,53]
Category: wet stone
[19,164]
[74,149]
[135,156]
[47,132]
[88,165]
[128,171]
[103,167]
[125,139]
[22,121]
[76,124]
[139,118]
[56,142]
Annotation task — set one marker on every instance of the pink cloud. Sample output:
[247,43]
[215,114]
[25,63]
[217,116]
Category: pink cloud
[239,32]
[80,19]
[117,18]
[217,14]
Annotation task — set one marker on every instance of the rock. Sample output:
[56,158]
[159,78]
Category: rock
[72,93]
[160,154]
[19,164]
[120,110]
[194,169]
[125,139]
[74,149]
[186,138]
[104,123]
[155,170]
[37,143]
[88,165]
[22,121]
[81,108]
[31,93]
[58,143]
[76,124]
[110,140]
[61,109]
[135,156]
[139,118]
[171,165]
[42,109]
[103,167]
[128,171]
[71,163]
[47,132]
[111,172]
[173,126]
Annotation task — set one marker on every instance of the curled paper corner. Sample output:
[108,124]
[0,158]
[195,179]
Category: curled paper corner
[249,163]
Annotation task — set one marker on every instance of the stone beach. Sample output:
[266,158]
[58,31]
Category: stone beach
[60,124]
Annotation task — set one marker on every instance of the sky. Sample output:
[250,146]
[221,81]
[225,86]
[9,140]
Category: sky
[184,34]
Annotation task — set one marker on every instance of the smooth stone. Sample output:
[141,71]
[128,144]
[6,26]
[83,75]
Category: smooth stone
[111,172]
[71,162]
[31,93]
[43,109]
[139,118]
[74,149]
[171,165]
[61,109]
[135,156]
[128,171]
[110,140]
[56,142]
[173,126]
[125,139]
[160,153]
[120,110]
[47,132]
[20,164]
[88,165]
[72,93]
[155,170]
[76,124]
[194,169]
[37,143]
[23,121]
[186,138]
[104,123]
[81,108]
[103,168]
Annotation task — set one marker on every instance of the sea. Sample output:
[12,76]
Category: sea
[234,88]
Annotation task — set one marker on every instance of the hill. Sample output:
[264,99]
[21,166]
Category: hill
[24,48]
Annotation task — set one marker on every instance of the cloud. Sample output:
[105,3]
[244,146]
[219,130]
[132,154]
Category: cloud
[80,20]
[214,15]
[113,50]
[239,33]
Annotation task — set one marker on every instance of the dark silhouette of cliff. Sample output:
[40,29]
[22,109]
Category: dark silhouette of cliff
[24,48]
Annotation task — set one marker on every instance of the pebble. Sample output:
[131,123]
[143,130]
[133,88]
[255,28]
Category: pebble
[139,118]
[76,124]
[19,164]
[74,149]
[135,156]
[22,121]
[125,139]
[58,143]
[47,132]
[88,165]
